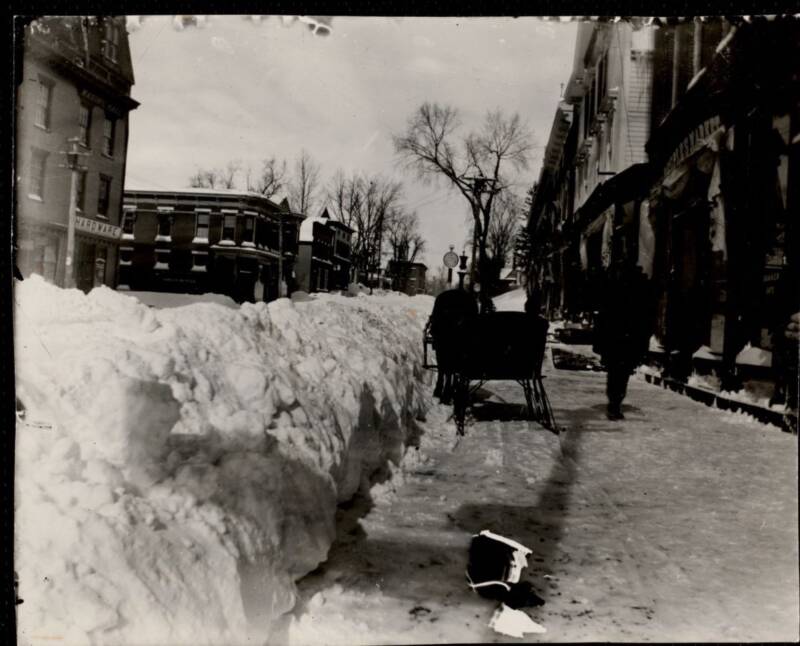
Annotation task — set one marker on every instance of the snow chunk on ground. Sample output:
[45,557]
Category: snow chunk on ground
[178,469]
[513,301]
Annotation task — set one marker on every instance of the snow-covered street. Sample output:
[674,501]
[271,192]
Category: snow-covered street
[677,524]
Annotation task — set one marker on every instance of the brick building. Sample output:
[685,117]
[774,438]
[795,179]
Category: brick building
[324,256]
[73,83]
[208,240]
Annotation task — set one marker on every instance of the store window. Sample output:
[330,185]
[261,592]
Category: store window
[100,266]
[104,196]
[44,99]
[36,180]
[85,124]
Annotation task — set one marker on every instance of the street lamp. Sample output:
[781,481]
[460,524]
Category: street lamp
[462,268]
[73,163]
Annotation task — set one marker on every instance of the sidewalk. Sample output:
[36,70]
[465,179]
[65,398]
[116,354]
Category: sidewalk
[677,524]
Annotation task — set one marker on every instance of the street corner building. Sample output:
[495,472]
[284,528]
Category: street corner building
[73,100]
[198,240]
[324,261]
[675,149]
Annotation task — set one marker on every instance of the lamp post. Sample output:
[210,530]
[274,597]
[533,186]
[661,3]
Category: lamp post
[73,159]
[462,268]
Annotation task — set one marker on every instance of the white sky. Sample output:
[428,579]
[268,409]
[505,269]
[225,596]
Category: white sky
[236,89]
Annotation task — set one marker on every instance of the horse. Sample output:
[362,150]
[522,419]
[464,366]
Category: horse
[452,310]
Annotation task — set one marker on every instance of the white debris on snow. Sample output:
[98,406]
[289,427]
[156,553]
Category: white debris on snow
[514,623]
[750,356]
[513,301]
[178,469]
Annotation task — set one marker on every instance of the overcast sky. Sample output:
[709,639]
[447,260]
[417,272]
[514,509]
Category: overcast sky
[236,89]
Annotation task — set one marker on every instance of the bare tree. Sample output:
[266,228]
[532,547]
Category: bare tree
[344,196]
[216,178]
[203,179]
[304,185]
[270,180]
[227,176]
[476,164]
[403,236]
[505,222]
[365,204]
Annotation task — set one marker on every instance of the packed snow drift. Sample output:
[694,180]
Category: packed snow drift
[178,469]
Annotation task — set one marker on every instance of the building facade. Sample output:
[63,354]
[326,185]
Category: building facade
[698,189]
[324,256]
[407,277]
[199,240]
[73,93]
[722,210]
[599,131]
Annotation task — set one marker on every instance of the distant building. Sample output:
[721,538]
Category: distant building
[407,277]
[593,170]
[74,82]
[208,240]
[324,255]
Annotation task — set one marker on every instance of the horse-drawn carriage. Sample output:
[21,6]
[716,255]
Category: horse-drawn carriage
[472,348]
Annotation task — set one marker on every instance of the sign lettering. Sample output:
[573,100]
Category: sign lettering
[97,228]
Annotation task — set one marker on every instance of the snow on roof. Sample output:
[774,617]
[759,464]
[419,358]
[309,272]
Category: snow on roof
[204,191]
[307,228]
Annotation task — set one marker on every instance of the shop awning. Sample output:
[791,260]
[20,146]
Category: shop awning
[625,186]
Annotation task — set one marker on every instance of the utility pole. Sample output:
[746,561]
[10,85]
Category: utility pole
[73,158]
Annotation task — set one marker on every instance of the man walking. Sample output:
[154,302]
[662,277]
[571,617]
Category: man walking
[622,331]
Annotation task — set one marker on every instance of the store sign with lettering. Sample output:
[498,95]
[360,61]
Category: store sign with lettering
[96,228]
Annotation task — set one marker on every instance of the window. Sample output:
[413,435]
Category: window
[162,259]
[125,255]
[201,226]
[249,230]
[80,191]
[111,41]
[109,125]
[38,167]
[44,95]
[104,196]
[164,227]
[128,222]
[84,124]
[229,227]
[199,261]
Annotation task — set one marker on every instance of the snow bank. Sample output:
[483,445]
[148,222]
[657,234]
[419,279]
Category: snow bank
[178,469]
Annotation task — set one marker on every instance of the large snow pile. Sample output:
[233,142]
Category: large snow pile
[178,469]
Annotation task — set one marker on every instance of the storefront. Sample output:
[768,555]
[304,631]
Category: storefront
[95,259]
